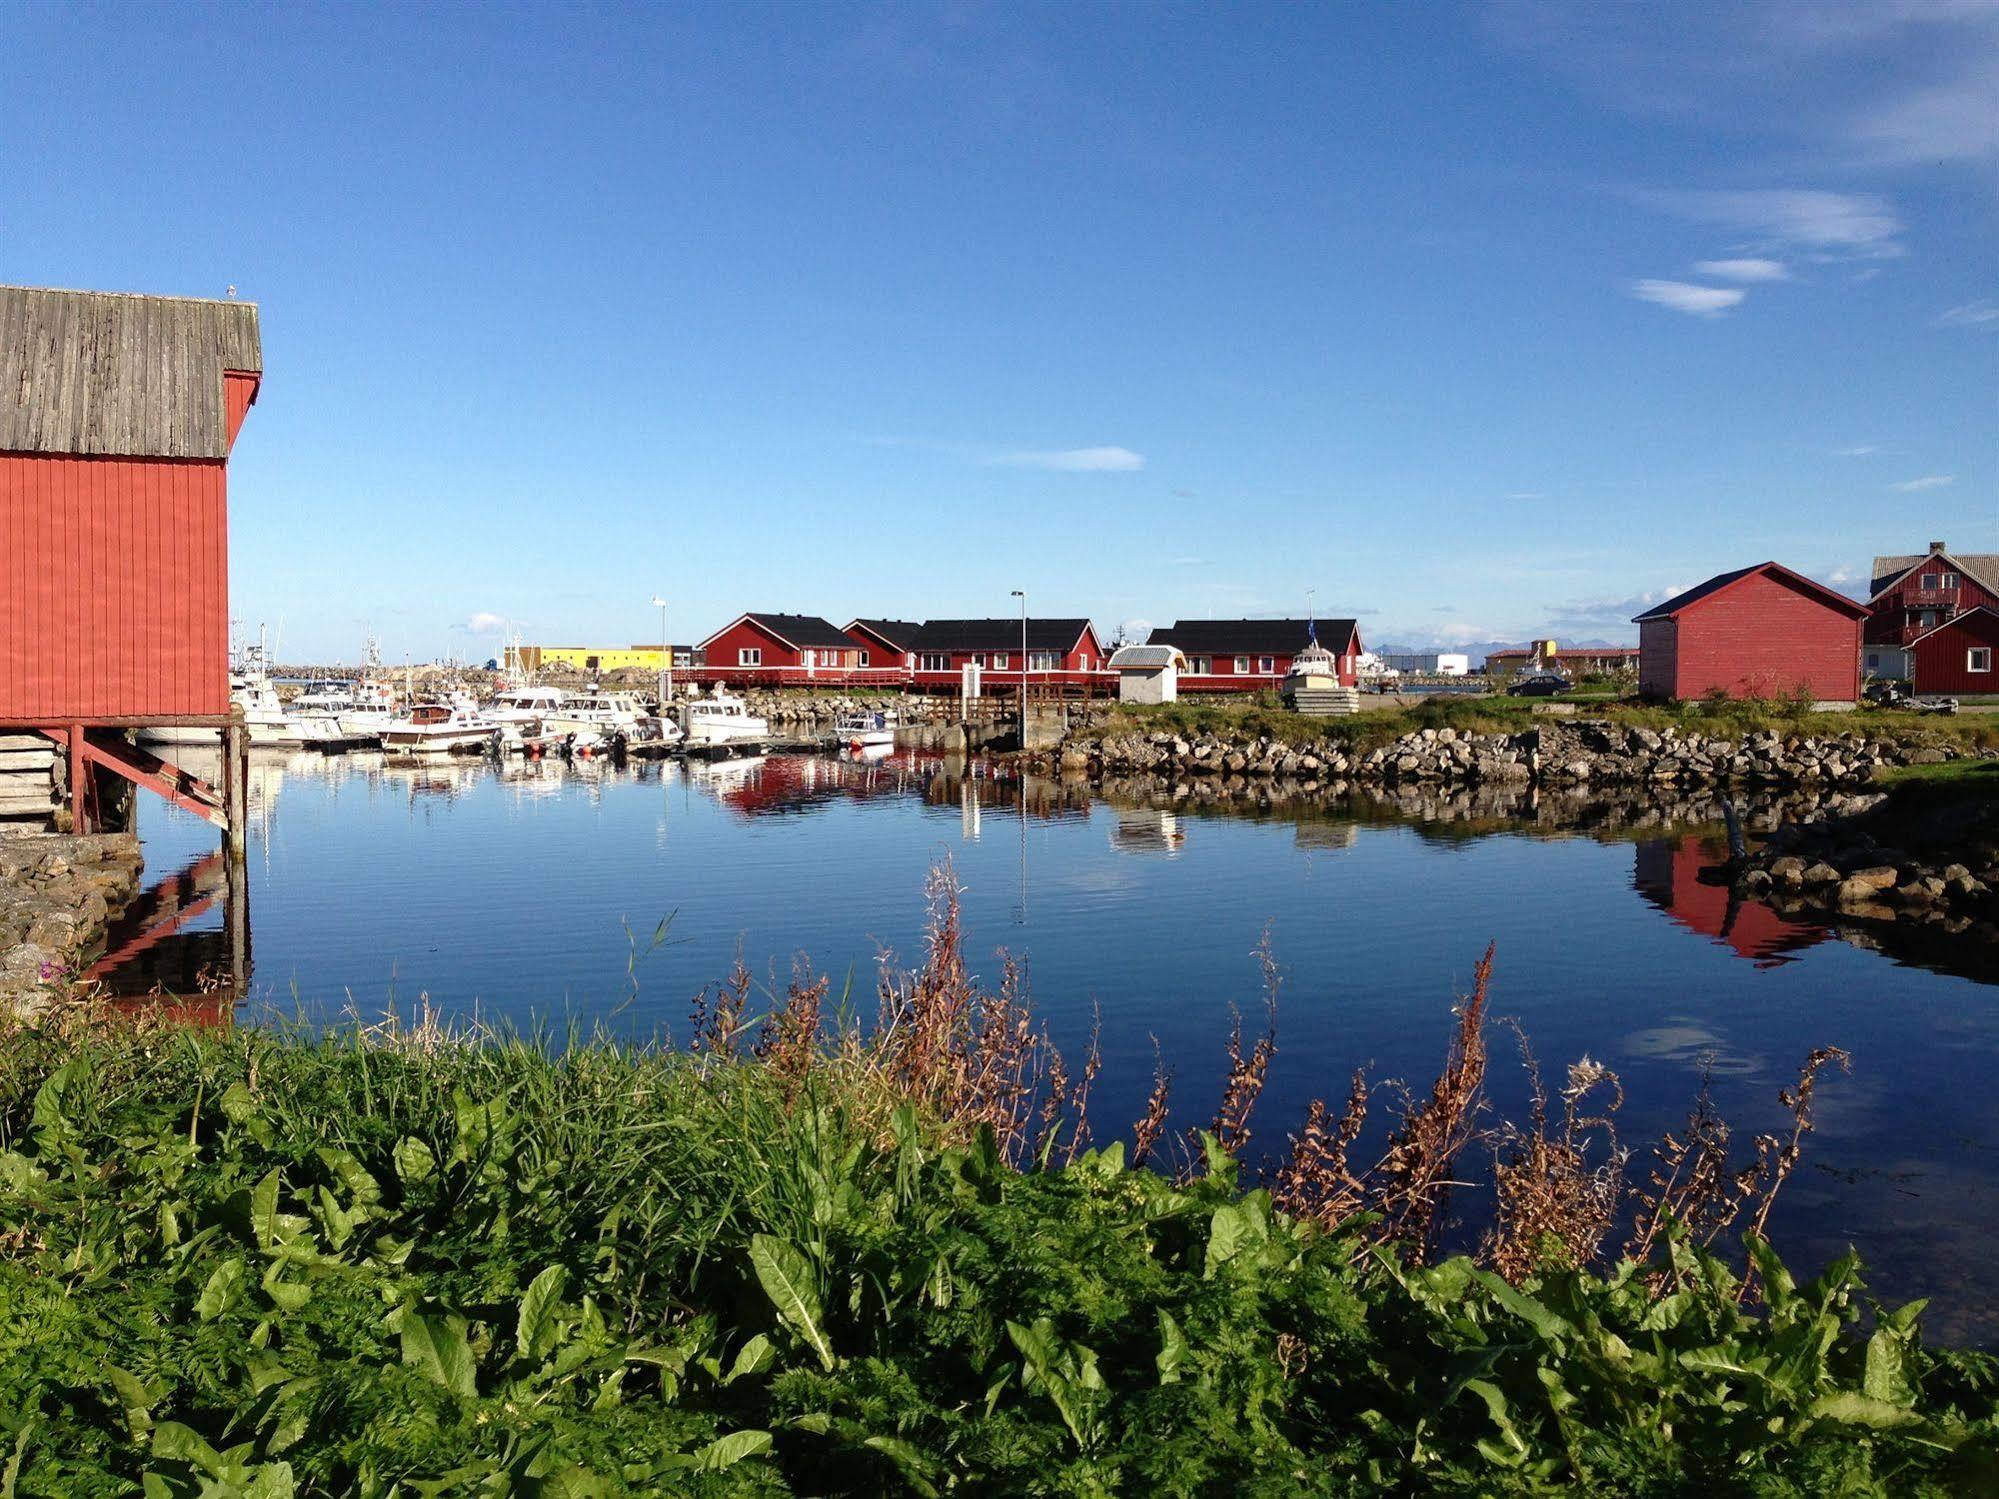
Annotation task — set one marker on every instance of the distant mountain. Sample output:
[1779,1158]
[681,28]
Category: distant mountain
[1478,650]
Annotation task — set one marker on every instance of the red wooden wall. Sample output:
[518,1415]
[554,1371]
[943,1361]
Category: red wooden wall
[1891,606]
[114,588]
[1759,637]
[1942,660]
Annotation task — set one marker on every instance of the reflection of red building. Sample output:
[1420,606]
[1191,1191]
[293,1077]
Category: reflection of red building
[1669,876]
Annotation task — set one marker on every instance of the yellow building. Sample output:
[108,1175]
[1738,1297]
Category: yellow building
[533,658]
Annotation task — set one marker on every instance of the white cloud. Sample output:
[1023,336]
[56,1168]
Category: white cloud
[485,622]
[1684,296]
[1928,481]
[1953,119]
[1110,460]
[1607,611]
[1825,224]
[1746,270]
[1188,562]
[1527,494]
[1982,314]
[1135,629]
[1864,450]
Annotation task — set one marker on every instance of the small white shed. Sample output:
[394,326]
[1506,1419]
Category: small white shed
[1148,673]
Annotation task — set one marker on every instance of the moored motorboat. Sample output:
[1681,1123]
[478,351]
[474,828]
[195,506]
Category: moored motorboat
[720,718]
[438,728]
[860,728]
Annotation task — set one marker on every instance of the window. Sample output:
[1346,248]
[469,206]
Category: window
[1044,660]
[1927,581]
[750,655]
[1978,658]
[999,661]
[1242,666]
[1946,580]
[979,659]
[863,661]
[1200,666]
[933,661]
[1266,664]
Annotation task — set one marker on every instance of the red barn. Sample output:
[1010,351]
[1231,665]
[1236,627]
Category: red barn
[775,648]
[883,642]
[117,416]
[1060,652]
[1247,655]
[1956,657]
[1912,595]
[1761,631]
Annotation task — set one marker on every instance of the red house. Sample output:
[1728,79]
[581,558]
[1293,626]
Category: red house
[1760,631]
[1247,655]
[1060,652]
[1670,874]
[1956,657]
[1913,595]
[883,642]
[774,648]
[117,416]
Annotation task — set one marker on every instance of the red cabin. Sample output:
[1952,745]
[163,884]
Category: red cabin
[776,649]
[1250,655]
[117,416]
[1913,595]
[1060,653]
[883,642]
[115,431]
[1761,631]
[1957,657]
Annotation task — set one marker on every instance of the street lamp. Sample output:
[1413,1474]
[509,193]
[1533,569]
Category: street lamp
[1021,594]
[665,654]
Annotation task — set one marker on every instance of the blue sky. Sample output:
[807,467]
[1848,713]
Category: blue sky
[1478,321]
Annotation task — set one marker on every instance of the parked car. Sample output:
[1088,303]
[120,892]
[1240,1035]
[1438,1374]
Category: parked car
[1542,685]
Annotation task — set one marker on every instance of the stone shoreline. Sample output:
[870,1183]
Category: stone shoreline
[58,895]
[1589,752]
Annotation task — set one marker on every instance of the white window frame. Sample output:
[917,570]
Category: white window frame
[1242,666]
[1200,666]
[862,660]
[979,660]
[749,655]
[933,661]
[1947,580]
[1044,660]
[1927,582]
[999,661]
[1266,664]
[1972,655]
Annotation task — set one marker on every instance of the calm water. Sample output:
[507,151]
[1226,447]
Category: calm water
[534,892]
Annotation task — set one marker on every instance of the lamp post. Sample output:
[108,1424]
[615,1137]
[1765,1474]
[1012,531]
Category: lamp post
[665,655]
[1021,594]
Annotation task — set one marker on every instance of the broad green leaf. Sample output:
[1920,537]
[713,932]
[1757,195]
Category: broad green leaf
[1854,1409]
[755,1356]
[1892,1359]
[173,1442]
[223,1291]
[914,1466]
[786,1278]
[437,1348]
[1229,1233]
[534,1331]
[264,1211]
[134,1399]
[726,1451]
[1516,1450]
[57,1101]
[1042,1367]
[1172,1348]
[238,1103]
[415,1163]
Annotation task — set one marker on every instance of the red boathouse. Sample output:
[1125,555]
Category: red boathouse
[117,416]
[1061,654]
[1762,631]
[773,650]
[1957,658]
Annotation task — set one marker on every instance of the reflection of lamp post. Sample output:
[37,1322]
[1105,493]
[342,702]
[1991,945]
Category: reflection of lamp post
[665,655]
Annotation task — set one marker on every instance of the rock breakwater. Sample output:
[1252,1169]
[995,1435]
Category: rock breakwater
[58,893]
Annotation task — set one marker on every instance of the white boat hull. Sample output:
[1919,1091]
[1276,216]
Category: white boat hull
[415,741]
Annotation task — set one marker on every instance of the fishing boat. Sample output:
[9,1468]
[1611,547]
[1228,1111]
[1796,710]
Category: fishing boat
[720,718]
[266,720]
[861,728]
[438,728]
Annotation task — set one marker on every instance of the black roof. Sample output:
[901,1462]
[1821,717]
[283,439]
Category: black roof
[997,634]
[1777,570]
[1250,637]
[897,632]
[801,629]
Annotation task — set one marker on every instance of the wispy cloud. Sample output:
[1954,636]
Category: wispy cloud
[1526,494]
[1862,450]
[1188,562]
[485,622]
[1684,296]
[1952,119]
[1826,225]
[1109,460]
[1982,314]
[1746,270]
[1607,611]
[1928,481]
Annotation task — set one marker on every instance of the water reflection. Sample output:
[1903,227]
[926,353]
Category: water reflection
[1686,878]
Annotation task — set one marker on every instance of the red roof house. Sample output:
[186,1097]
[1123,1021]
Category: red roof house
[1762,631]
[771,648]
[883,642]
[1245,655]
[1060,652]
[1912,595]
[1957,657]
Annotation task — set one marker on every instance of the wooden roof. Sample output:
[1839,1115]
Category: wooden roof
[111,374]
[1832,598]
[1981,567]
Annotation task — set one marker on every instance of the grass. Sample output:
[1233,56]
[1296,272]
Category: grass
[1500,714]
[807,1256]
[1957,774]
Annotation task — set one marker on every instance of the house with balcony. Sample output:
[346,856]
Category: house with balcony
[1911,596]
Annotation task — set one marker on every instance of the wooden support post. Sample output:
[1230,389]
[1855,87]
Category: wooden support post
[235,794]
[236,915]
[79,782]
